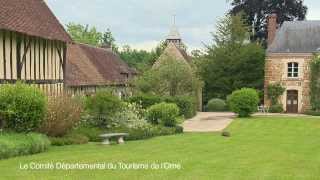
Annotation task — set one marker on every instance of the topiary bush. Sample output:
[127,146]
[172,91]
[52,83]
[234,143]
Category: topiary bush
[12,144]
[22,106]
[101,107]
[164,113]
[64,113]
[244,102]
[276,108]
[216,105]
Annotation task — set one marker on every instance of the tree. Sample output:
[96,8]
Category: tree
[315,83]
[172,77]
[84,34]
[231,62]
[140,59]
[109,40]
[257,12]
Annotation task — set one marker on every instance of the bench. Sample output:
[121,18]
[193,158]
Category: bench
[263,109]
[107,137]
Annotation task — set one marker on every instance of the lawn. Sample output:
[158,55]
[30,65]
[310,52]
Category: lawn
[259,148]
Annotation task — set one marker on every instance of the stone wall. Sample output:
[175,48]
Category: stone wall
[276,71]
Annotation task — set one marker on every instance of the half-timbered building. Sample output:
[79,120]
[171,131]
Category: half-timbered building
[33,45]
[91,69]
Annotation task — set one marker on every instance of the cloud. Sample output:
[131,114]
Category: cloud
[143,23]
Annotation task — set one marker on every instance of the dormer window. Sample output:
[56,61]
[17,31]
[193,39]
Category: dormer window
[293,70]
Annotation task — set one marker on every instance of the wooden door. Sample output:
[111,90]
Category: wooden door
[292,101]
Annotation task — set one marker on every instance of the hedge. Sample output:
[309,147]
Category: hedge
[12,144]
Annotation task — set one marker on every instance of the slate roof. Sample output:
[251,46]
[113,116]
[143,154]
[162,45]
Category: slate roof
[92,66]
[297,37]
[31,17]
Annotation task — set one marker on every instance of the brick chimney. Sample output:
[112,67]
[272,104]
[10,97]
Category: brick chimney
[272,27]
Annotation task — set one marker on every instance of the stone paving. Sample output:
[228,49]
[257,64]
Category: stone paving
[217,121]
[208,122]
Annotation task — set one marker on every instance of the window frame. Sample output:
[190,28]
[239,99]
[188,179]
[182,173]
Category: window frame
[293,70]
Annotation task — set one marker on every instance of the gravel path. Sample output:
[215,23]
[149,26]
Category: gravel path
[208,122]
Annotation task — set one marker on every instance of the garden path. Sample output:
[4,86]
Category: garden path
[208,122]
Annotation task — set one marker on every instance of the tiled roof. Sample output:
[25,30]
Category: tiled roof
[297,37]
[31,17]
[92,66]
[172,51]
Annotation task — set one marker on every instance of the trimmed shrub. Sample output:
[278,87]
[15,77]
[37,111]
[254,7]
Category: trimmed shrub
[216,105]
[179,129]
[312,113]
[244,102]
[164,113]
[187,105]
[22,106]
[148,132]
[92,133]
[63,114]
[101,107]
[69,139]
[12,144]
[145,100]
[276,108]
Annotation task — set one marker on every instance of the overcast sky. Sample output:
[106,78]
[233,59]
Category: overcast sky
[143,23]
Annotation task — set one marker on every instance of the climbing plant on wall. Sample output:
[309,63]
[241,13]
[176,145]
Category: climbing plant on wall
[315,83]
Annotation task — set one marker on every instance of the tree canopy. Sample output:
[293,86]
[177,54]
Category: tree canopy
[231,62]
[84,34]
[172,77]
[257,12]
[109,40]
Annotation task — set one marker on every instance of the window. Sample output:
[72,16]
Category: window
[293,70]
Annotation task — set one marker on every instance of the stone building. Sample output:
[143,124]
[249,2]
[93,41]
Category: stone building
[91,69]
[33,45]
[290,50]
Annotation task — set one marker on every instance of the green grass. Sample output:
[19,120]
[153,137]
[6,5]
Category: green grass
[259,148]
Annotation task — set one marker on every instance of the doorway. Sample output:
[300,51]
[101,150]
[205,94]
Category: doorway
[292,101]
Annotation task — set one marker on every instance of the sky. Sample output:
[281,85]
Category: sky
[142,24]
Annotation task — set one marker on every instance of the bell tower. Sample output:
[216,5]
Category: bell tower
[174,35]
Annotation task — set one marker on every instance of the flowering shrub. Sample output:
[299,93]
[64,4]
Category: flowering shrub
[130,116]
